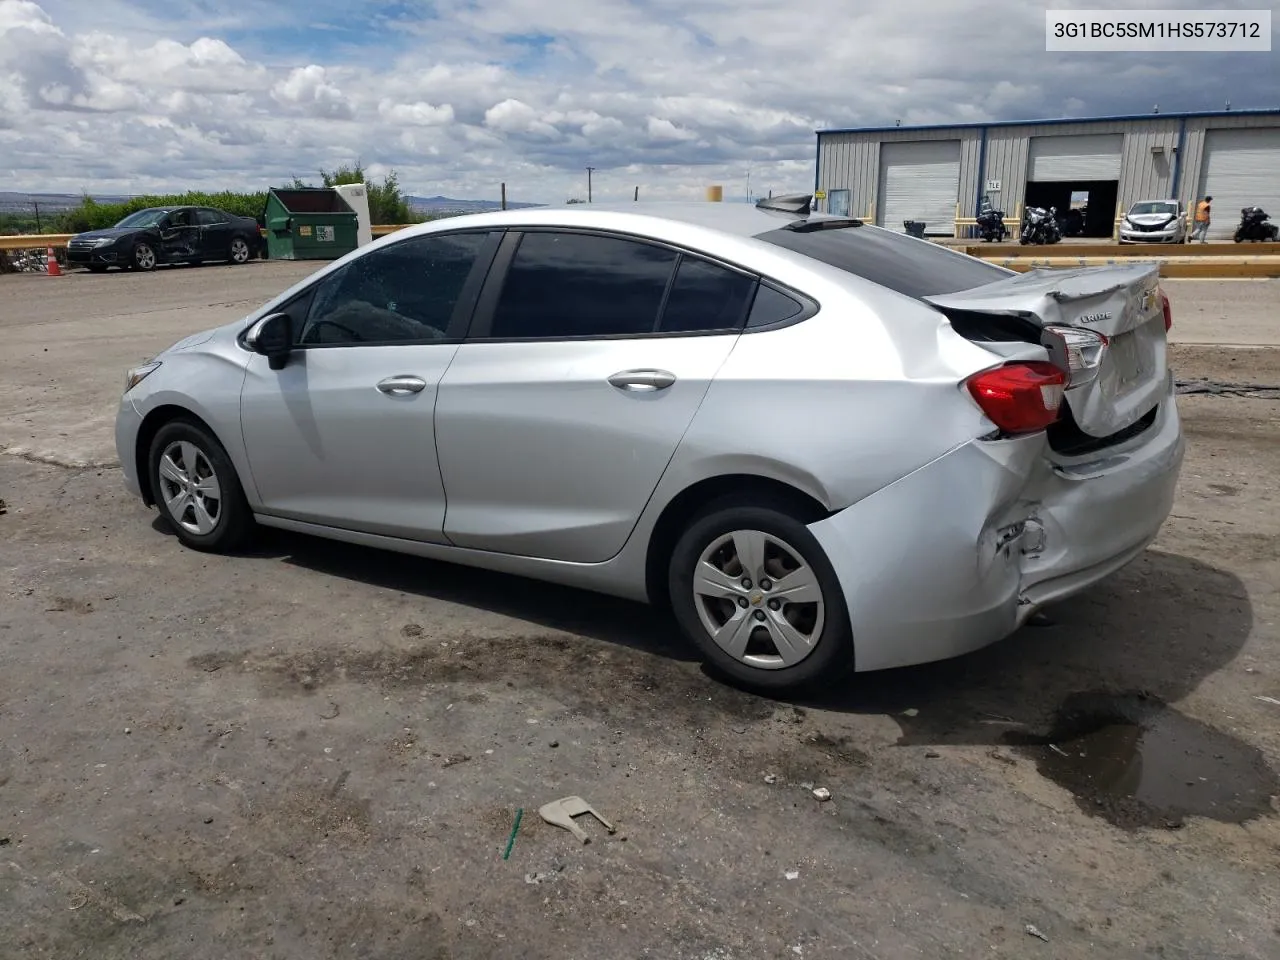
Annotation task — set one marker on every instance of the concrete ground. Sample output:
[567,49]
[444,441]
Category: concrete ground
[318,751]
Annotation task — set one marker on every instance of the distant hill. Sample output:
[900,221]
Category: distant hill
[11,202]
[439,205]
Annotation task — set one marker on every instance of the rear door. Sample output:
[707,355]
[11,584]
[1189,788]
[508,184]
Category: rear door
[587,360]
[215,234]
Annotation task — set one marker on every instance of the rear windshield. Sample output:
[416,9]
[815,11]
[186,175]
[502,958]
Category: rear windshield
[917,268]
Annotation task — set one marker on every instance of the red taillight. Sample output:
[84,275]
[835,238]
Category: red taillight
[1168,313]
[1020,397]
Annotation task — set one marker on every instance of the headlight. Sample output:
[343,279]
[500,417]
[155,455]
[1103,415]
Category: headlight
[138,374]
[104,242]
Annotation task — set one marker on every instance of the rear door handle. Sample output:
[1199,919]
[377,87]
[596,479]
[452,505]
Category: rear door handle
[642,381]
[402,386]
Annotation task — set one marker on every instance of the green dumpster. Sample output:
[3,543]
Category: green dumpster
[309,223]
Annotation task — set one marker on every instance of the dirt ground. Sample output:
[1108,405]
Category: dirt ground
[316,750]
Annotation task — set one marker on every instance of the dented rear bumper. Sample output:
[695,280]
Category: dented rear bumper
[957,554]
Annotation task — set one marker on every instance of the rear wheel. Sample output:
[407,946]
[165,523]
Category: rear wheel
[240,251]
[754,591]
[196,488]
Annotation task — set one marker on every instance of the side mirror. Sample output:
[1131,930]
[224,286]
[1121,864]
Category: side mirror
[272,336]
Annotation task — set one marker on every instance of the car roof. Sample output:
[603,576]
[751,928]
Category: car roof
[736,219]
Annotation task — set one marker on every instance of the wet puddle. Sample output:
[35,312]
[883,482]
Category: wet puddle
[1137,762]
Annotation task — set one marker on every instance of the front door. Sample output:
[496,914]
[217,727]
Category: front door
[180,236]
[343,435]
[559,415]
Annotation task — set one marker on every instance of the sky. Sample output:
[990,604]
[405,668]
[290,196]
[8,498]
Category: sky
[457,96]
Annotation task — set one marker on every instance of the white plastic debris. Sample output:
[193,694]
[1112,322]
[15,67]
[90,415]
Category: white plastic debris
[822,794]
[1271,700]
[1034,931]
[770,778]
[792,874]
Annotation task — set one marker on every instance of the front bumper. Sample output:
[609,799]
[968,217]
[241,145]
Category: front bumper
[106,257]
[959,553]
[128,423]
[1167,235]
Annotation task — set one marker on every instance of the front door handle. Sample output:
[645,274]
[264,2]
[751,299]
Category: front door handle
[642,381]
[402,386]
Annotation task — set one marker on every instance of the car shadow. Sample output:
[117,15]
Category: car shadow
[581,612]
[1159,626]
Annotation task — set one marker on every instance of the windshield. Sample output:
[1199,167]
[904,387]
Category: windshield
[143,218]
[917,268]
[1153,206]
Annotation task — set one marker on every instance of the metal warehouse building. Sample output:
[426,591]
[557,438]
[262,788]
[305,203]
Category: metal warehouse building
[939,174]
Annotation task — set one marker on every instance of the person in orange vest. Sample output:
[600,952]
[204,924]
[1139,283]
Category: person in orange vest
[1202,220]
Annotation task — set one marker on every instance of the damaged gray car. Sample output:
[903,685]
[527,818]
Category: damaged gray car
[824,446]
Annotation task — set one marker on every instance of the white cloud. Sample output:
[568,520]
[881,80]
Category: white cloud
[458,95]
[309,90]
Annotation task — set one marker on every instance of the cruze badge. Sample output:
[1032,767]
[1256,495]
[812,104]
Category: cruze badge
[1095,317]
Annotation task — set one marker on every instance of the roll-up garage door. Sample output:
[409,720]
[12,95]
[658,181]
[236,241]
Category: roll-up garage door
[1241,169]
[920,180]
[1094,156]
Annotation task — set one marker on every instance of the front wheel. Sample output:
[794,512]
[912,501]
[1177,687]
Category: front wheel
[144,257]
[240,251]
[196,488]
[753,589]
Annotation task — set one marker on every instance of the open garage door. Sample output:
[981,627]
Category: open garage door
[1240,170]
[1094,156]
[919,180]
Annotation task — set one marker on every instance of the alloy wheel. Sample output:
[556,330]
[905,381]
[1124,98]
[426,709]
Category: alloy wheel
[239,251]
[189,487]
[758,599]
[144,257]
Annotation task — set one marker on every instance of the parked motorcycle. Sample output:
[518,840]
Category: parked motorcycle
[1040,226]
[1254,226]
[991,222]
[1071,223]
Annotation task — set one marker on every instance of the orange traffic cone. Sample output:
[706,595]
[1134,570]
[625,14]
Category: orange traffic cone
[51,264]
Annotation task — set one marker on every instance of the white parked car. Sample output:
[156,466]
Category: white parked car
[1155,221]
[824,445]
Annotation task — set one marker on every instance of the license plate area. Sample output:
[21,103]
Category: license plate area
[1126,359]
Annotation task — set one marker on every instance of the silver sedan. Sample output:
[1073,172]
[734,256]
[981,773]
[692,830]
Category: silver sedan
[823,445]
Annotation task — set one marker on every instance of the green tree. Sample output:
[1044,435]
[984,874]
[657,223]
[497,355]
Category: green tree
[386,202]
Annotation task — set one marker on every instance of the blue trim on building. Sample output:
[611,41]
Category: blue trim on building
[1268,111]
[1177,157]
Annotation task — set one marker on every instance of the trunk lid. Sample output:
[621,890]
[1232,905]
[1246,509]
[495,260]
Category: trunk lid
[1122,303]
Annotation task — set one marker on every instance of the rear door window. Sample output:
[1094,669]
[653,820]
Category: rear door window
[582,285]
[916,268]
[706,296]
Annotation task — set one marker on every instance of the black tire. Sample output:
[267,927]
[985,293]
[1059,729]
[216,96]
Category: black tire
[143,257]
[831,656]
[234,520]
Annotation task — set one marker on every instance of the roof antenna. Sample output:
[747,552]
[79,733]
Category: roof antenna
[1228,104]
[897,123]
[1156,108]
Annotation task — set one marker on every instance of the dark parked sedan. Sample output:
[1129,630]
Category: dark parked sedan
[167,235]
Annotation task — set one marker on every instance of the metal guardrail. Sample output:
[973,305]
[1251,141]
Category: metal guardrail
[35,241]
[59,241]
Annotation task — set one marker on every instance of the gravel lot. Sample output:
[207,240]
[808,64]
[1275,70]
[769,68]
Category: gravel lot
[317,751]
